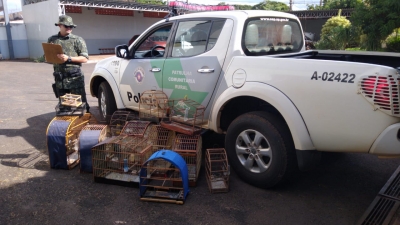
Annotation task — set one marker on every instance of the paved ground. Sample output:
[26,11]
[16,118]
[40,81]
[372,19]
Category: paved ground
[336,192]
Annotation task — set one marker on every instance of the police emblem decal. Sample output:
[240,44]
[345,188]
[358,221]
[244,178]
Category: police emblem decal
[139,75]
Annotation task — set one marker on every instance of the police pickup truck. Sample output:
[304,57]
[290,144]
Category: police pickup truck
[279,105]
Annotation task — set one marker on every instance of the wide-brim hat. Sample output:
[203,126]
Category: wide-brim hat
[65,20]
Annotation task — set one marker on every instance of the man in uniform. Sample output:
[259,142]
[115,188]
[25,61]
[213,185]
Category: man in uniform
[68,76]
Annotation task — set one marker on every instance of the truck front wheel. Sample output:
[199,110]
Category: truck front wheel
[106,101]
[260,149]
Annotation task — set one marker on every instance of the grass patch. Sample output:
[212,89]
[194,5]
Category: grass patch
[40,59]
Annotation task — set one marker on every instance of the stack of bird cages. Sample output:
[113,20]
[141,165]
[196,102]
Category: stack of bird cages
[90,135]
[71,100]
[161,138]
[160,175]
[217,169]
[186,116]
[120,158]
[117,122]
[189,147]
[57,152]
[153,105]
[135,128]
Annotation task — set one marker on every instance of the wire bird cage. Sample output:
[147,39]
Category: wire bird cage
[217,169]
[153,105]
[90,135]
[120,158]
[135,128]
[160,175]
[189,147]
[62,140]
[118,120]
[186,116]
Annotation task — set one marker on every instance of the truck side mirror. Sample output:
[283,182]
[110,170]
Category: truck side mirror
[121,51]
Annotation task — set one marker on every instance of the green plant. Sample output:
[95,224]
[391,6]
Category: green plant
[333,22]
[393,41]
[39,59]
[337,34]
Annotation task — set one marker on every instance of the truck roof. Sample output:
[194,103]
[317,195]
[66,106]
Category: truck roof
[236,14]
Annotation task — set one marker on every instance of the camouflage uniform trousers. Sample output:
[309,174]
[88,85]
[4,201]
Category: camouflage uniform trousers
[73,85]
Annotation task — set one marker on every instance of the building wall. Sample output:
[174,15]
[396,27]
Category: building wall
[19,41]
[39,19]
[99,31]
[108,31]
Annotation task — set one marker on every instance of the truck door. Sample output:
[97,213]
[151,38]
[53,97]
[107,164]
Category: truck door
[197,56]
[143,70]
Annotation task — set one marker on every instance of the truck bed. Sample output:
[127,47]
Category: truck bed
[378,58]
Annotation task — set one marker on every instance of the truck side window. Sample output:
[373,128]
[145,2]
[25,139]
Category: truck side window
[191,38]
[215,31]
[158,38]
[264,36]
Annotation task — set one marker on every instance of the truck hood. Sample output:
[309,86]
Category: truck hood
[105,62]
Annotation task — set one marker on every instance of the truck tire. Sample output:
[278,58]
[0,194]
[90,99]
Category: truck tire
[106,101]
[260,149]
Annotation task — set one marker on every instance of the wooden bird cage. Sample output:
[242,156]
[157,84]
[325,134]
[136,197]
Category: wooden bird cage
[160,175]
[135,128]
[62,140]
[185,116]
[71,100]
[189,147]
[90,135]
[120,158]
[161,138]
[217,170]
[118,120]
[153,105]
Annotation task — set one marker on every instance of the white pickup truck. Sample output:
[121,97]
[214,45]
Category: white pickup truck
[279,105]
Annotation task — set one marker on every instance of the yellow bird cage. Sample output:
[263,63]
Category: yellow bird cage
[62,140]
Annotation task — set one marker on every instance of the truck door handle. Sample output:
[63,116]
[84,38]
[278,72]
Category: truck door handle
[155,70]
[205,70]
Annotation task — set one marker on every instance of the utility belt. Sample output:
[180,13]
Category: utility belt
[71,72]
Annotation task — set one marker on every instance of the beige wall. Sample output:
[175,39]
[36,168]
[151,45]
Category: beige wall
[99,31]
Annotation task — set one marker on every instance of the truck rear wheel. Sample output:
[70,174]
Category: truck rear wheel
[106,101]
[260,149]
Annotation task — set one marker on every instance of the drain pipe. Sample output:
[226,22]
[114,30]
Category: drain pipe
[8,29]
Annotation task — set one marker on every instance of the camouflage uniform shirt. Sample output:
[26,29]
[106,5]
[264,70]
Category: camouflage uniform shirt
[72,46]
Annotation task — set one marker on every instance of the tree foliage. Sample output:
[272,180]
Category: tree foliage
[243,7]
[271,5]
[377,19]
[335,4]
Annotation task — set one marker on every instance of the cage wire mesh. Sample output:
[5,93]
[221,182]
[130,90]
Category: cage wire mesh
[163,182]
[135,128]
[189,147]
[118,120]
[161,138]
[217,170]
[186,116]
[153,105]
[120,158]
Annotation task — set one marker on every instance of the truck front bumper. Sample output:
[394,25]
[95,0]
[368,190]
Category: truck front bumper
[388,142]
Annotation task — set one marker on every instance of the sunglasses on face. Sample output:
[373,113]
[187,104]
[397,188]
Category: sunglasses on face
[68,27]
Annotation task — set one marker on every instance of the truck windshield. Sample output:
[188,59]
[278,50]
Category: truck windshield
[270,35]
